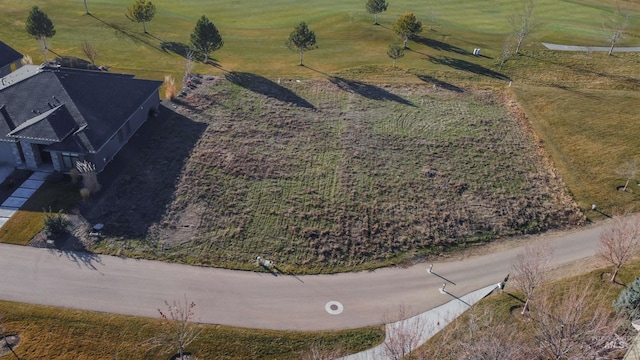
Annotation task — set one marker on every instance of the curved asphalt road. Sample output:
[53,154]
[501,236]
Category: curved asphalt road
[257,300]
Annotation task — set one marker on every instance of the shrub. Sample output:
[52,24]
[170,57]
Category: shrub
[55,224]
[89,176]
[628,303]
[170,87]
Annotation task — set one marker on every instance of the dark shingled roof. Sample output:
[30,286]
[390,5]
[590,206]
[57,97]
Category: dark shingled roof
[53,125]
[77,110]
[8,55]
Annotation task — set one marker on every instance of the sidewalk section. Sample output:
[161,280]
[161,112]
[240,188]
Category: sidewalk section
[400,339]
[21,195]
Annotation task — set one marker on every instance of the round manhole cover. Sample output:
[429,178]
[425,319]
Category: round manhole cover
[334,308]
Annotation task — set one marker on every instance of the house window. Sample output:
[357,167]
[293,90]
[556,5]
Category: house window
[69,160]
[120,136]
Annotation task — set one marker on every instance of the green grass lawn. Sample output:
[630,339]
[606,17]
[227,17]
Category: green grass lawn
[29,220]
[255,32]
[58,333]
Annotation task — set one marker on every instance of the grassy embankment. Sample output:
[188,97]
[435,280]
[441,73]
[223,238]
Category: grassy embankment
[503,310]
[58,333]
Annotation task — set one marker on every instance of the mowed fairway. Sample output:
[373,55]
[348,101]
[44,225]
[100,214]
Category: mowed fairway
[254,32]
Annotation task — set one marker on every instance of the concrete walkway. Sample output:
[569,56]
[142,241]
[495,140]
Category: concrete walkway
[589,48]
[21,195]
[404,336]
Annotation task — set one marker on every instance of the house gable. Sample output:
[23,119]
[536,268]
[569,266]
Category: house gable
[73,111]
[51,126]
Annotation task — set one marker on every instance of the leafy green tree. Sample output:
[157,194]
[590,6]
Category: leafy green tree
[141,12]
[301,39]
[628,303]
[395,52]
[407,27]
[206,38]
[39,26]
[377,6]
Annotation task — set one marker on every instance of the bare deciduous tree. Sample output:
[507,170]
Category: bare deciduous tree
[507,51]
[179,329]
[90,52]
[404,336]
[522,22]
[431,15]
[574,325]
[619,242]
[530,269]
[614,26]
[629,170]
[487,339]
[587,54]
[476,335]
[188,61]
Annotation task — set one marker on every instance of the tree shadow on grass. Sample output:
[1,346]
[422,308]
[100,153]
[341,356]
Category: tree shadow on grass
[182,50]
[175,47]
[464,65]
[440,83]
[132,36]
[516,297]
[439,45]
[266,87]
[367,90]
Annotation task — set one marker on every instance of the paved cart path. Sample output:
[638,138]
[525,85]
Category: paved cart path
[258,300]
[590,48]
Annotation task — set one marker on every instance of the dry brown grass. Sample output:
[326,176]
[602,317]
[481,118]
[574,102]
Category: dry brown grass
[58,333]
[327,175]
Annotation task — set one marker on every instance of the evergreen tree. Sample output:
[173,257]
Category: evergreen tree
[141,12]
[301,39]
[375,7]
[407,26]
[628,303]
[39,25]
[395,52]
[206,38]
